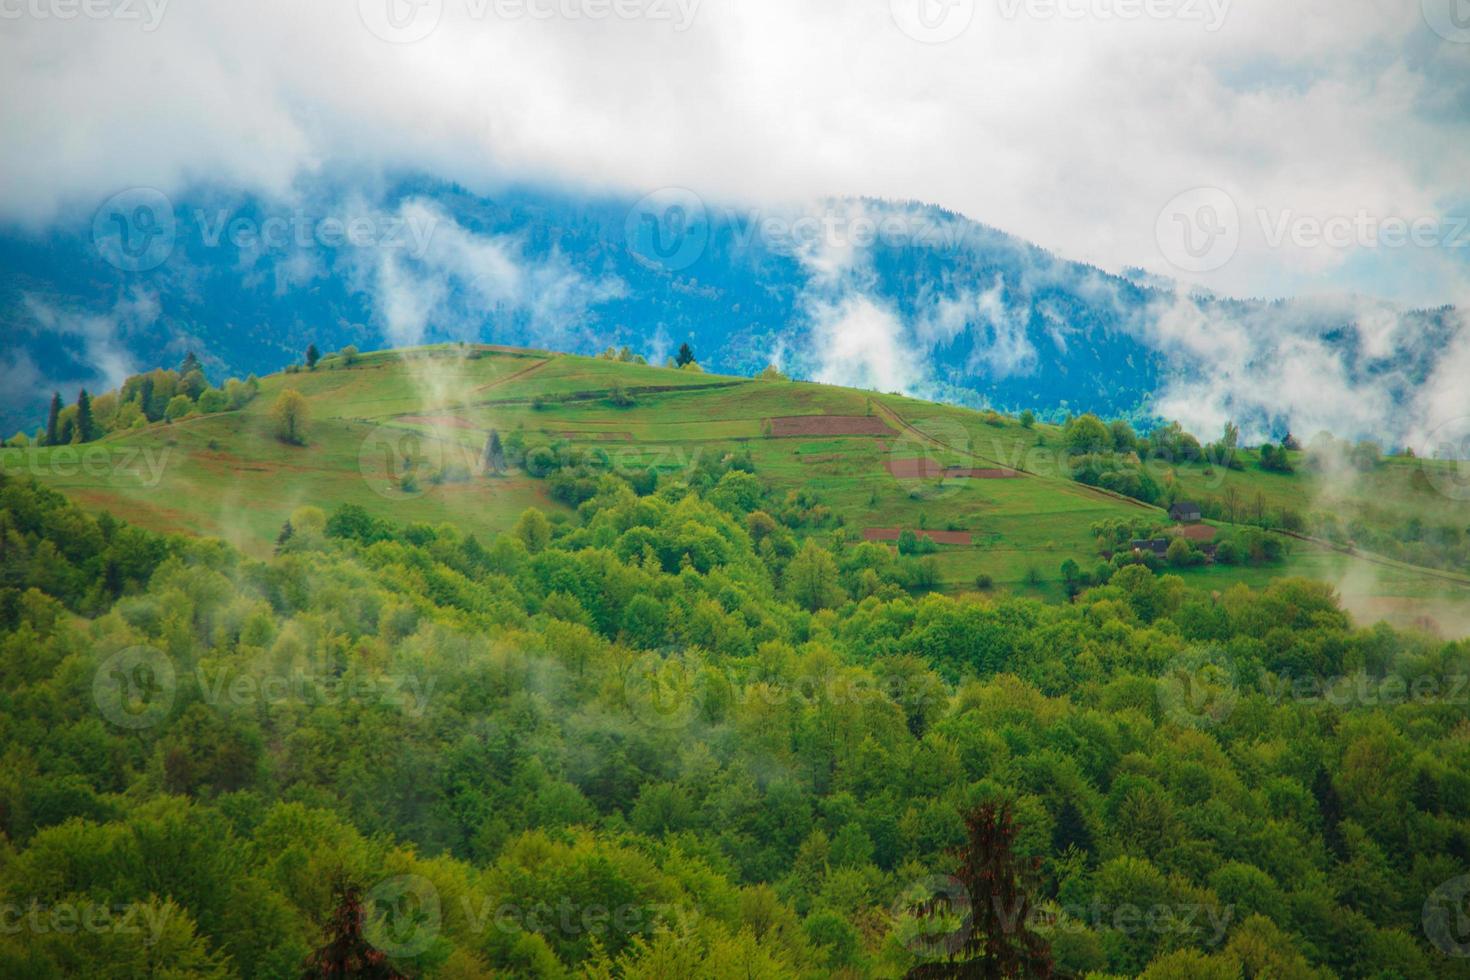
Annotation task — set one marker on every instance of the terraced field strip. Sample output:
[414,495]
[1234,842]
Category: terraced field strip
[592,435]
[596,393]
[909,469]
[938,537]
[437,421]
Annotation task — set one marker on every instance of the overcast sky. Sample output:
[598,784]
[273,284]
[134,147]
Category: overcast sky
[1076,124]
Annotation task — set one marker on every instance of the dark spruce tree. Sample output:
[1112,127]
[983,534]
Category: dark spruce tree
[287,532]
[312,356]
[152,411]
[347,952]
[1329,807]
[53,433]
[86,423]
[685,355]
[996,941]
[1071,830]
[494,456]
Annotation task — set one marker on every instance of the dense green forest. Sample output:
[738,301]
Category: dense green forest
[660,738]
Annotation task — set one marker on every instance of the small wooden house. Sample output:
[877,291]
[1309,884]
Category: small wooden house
[1185,512]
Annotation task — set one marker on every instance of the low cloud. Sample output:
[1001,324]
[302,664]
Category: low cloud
[466,286]
[859,342]
[1103,119]
[1350,366]
[90,350]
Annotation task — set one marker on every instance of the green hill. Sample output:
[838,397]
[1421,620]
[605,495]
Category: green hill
[992,491]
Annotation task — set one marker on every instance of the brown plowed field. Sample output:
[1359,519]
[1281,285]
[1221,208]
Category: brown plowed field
[829,425]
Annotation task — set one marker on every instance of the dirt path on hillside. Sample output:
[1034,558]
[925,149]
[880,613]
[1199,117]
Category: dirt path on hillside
[1371,558]
[513,376]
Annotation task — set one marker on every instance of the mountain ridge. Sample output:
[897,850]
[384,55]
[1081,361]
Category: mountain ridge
[943,306]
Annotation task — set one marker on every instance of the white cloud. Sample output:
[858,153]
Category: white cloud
[1071,133]
[1276,368]
[860,343]
[462,285]
[98,340]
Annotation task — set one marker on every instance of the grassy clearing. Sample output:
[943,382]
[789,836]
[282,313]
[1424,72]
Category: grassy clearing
[227,475]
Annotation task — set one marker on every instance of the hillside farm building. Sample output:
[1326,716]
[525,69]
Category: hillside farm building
[1185,512]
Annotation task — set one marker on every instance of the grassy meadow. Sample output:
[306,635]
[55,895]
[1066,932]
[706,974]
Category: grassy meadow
[877,461]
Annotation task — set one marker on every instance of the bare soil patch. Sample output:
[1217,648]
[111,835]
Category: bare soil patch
[829,425]
[915,469]
[1195,532]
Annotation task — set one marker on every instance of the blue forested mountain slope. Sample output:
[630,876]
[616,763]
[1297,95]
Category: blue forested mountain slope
[876,294]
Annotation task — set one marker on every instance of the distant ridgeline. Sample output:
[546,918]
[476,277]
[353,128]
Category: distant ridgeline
[1060,337]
